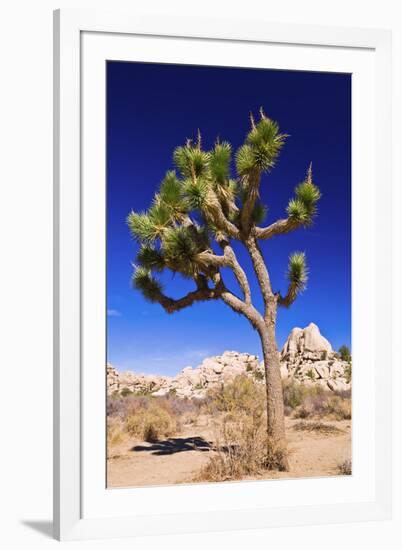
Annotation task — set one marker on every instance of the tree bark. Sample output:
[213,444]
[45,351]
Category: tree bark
[274,392]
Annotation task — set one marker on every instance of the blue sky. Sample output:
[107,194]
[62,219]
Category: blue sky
[152,108]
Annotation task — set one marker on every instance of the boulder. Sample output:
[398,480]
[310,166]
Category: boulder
[306,357]
[322,369]
[307,340]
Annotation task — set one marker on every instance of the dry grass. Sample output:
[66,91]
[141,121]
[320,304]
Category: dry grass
[241,445]
[152,423]
[318,427]
[339,407]
[115,436]
[147,418]
[305,401]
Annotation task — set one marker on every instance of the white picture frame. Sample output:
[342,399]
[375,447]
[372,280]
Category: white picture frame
[83,507]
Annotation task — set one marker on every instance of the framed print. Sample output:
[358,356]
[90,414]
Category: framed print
[222,234]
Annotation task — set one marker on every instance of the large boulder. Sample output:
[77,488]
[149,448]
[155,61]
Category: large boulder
[308,340]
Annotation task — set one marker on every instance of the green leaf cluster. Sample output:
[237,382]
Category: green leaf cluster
[303,207]
[297,271]
[146,283]
[219,162]
[191,161]
[261,148]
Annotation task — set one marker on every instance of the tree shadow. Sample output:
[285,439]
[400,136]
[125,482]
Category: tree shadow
[175,445]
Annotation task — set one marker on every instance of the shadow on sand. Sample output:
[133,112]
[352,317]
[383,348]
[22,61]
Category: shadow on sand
[175,445]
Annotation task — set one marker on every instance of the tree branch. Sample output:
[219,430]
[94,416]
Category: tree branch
[280,227]
[237,305]
[261,272]
[237,269]
[209,258]
[202,294]
[218,218]
[289,298]
[248,206]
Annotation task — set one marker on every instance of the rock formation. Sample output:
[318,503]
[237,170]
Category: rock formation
[307,357]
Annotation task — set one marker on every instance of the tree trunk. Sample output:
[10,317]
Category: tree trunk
[273,384]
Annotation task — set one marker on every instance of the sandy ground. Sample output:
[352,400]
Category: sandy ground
[179,459]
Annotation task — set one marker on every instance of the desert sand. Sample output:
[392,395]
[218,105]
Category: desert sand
[179,459]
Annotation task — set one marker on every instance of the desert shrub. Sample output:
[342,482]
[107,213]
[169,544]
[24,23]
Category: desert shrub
[314,400]
[292,394]
[345,467]
[125,392]
[115,436]
[242,449]
[303,411]
[123,407]
[296,394]
[258,375]
[339,407]
[310,374]
[133,410]
[344,353]
[241,445]
[152,423]
[241,395]
[318,427]
[345,394]
[348,373]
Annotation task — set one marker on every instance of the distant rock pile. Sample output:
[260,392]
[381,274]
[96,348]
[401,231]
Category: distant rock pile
[307,357]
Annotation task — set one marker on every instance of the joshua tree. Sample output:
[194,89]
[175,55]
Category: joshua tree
[202,209]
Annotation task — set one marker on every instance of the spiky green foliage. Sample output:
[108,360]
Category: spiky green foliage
[303,207]
[191,161]
[297,276]
[262,147]
[141,227]
[180,248]
[244,160]
[195,192]
[150,258]
[309,195]
[201,201]
[147,227]
[219,162]
[171,196]
[146,283]
[297,212]
[297,271]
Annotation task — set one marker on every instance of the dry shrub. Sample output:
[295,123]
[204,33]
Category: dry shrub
[296,394]
[345,467]
[152,423]
[241,445]
[308,401]
[240,395]
[318,427]
[115,436]
[304,411]
[151,418]
[339,407]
